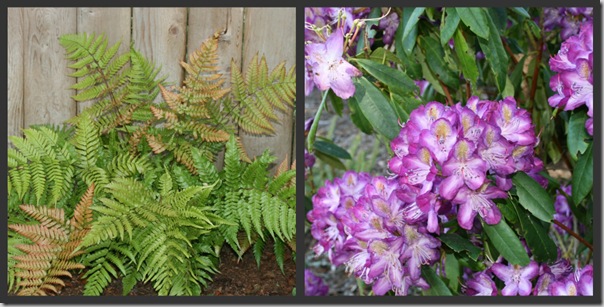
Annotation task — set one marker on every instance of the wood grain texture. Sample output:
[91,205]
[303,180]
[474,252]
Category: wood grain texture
[204,22]
[272,32]
[160,35]
[15,72]
[47,96]
[115,23]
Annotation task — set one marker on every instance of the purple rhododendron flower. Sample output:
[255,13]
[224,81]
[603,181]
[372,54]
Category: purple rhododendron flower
[389,24]
[446,153]
[563,213]
[329,69]
[314,285]
[478,202]
[360,221]
[517,279]
[573,85]
[481,284]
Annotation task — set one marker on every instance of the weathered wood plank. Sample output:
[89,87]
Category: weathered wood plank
[115,23]
[15,71]
[272,32]
[160,35]
[47,96]
[204,22]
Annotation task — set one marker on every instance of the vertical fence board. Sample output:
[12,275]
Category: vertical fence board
[160,35]
[15,71]
[271,31]
[203,23]
[47,96]
[115,23]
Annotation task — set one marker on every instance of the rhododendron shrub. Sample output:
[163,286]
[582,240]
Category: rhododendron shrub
[486,120]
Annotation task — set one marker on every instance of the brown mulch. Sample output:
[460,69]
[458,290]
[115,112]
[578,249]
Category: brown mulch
[236,278]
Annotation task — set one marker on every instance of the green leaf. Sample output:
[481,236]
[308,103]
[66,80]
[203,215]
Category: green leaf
[533,27]
[467,58]
[495,54]
[534,197]
[460,244]
[411,21]
[376,108]
[583,175]
[334,162]
[520,11]
[475,19]
[331,149]
[577,134]
[336,102]
[437,286]
[435,56]
[516,75]
[507,243]
[448,27]
[404,105]
[357,116]
[407,25]
[499,17]
[382,55]
[537,238]
[452,270]
[395,79]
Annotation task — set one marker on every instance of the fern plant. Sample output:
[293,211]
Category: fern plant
[162,210]
[55,244]
[252,201]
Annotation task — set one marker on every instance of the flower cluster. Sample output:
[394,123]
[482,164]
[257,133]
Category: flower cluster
[359,221]
[314,285]
[558,279]
[567,18]
[563,213]
[326,68]
[445,156]
[574,82]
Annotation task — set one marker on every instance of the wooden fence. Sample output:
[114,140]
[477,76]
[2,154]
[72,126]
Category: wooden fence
[38,81]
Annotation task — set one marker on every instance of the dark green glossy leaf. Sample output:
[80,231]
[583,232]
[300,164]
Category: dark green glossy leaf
[577,134]
[533,27]
[507,243]
[411,22]
[334,162]
[435,56]
[395,79]
[437,286]
[382,55]
[460,244]
[520,11]
[452,270]
[404,105]
[409,62]
[407,25]
[475,19]
[336,102]
[533,197]
[499,17]
[448,27]
[376,108]
[331,149]
[495,54]
[537,238]
[357,116]
[583,175]
[517,76]
[467,58]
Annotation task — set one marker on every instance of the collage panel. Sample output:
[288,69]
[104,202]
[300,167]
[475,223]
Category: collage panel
[151,152]
[450,151]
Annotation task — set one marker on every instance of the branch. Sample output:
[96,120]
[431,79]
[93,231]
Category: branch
[446,90]
[574,234]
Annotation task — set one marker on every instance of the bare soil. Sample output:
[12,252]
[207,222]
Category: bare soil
[236,278]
